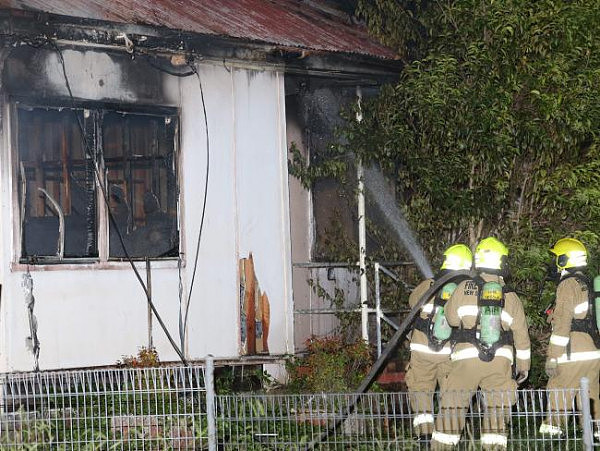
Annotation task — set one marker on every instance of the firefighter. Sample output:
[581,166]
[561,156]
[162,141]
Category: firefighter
[573,351]
[490,320]
[429,345]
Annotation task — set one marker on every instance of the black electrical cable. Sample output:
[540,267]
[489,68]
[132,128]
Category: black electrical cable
[187,306]
[192,71]
[106,200]
[180,298]
[149,60]
[182,323]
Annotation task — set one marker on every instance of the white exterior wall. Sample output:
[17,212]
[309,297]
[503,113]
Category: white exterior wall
[93,314]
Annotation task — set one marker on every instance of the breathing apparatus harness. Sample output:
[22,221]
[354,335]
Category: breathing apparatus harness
[591,323]
[435,326]
[487,335]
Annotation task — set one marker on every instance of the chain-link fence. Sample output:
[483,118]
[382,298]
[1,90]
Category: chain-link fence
[176,409]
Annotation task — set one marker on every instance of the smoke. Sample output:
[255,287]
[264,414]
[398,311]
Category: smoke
[383,196]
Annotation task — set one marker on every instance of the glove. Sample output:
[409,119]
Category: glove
[551,367]
[522,376]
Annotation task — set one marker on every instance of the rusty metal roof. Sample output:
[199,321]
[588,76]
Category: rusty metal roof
[301,24]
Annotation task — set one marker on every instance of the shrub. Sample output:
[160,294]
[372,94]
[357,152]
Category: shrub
[330,365]
[147,357]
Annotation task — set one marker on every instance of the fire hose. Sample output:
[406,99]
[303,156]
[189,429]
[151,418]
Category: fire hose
[379,365]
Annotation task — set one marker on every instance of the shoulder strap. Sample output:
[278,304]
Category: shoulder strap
[552,305]
[581,278]
[508,289]
[587,324]
[424,324]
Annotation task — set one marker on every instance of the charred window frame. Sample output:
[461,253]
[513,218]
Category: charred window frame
[64,214]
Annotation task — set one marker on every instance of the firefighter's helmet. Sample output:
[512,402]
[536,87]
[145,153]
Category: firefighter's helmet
[457,257]
[490,253]
[570,253]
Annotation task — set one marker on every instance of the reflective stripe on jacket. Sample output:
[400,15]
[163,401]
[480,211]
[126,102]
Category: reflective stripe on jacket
[419,341]
[572,302]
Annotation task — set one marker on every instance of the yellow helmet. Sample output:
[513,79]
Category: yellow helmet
[457,257]
[490,253]
[570,253]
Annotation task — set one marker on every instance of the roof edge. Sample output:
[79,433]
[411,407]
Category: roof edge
[385,55]
[22,25]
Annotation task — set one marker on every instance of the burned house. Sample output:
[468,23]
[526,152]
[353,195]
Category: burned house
[143,165]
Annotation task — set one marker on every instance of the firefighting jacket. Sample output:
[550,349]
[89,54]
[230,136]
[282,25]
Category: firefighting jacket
[572,302]
[419,341]
[462,311]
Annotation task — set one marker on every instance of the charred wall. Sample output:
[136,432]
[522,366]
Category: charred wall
[37,73]
[326,215]
[315,107]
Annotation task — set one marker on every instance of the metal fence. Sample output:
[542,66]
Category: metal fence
[176,409]
[385,421]
[111,409]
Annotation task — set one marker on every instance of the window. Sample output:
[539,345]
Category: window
[64,213]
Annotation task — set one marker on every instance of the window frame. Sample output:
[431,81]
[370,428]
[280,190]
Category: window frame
[96,110]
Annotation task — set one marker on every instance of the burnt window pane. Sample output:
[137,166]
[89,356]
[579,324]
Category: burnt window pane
[139,155]
[60,173]
[56,178]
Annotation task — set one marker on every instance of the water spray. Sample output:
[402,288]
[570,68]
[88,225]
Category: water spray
[383,196]
[374,181]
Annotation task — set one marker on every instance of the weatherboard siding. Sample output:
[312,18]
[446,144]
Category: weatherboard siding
[93,314]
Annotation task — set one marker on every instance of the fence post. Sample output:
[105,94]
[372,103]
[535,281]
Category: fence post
[378,307]
[584,395]
[210,402]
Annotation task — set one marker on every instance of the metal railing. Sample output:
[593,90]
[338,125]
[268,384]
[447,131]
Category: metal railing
[177,409]
[323,279]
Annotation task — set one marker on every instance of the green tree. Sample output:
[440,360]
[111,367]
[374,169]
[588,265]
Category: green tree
[492,127]
[495,128]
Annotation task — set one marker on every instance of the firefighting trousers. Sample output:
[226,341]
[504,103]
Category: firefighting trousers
[563,388]
[425,372]
[498,394]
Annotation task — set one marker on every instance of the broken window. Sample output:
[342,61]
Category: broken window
[129,155]
[56,185]
[140,162]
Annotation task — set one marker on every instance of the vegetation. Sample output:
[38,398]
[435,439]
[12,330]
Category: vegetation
[492,127]
[247,378]
[330,365]
[147,357]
